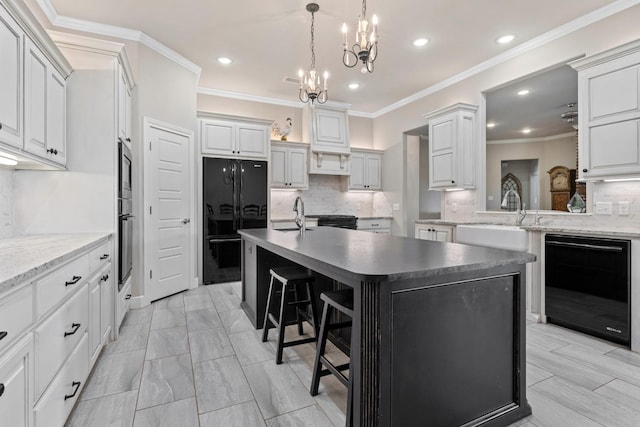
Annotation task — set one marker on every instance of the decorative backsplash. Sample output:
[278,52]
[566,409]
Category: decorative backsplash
[327,195]
[6,203]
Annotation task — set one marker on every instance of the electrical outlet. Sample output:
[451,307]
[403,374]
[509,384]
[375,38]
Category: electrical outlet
[603,208]
[623,208]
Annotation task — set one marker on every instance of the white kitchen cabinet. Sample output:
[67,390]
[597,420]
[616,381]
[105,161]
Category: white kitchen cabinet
[375,225]
[16,385]
[609,113]
[11,74]
[452,147]
[366,170]
[289,166]
[438,233]
[327,131]
[95,335]
[232,136]
[124,107]
[44,106]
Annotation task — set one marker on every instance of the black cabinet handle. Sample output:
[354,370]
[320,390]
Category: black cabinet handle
[105,256]
[104,278]
[3,334]
[52,151]
[1,385]
[585,170]
[128,139]
[0,125]
[128,296]
[75,327]
[73,281]
[75,384]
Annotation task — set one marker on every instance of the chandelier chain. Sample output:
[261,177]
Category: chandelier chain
[313,50]
[364,8]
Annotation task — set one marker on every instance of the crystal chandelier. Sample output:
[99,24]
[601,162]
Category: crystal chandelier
[365,48]
[312,87]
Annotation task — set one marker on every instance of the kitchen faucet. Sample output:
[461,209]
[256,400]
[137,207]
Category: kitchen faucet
[299,210]
[520,212]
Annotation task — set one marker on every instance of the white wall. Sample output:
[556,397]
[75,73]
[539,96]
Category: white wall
[6,202]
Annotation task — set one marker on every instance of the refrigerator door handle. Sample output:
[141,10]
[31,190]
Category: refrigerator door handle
[216,240]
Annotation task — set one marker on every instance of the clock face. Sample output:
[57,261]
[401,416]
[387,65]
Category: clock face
[560,182]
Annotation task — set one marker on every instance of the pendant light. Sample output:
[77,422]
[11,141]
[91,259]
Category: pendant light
[312,86]
[365,48]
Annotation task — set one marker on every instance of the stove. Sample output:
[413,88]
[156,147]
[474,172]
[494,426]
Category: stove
[340,221]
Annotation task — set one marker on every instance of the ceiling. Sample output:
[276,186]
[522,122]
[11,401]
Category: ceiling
[269,40]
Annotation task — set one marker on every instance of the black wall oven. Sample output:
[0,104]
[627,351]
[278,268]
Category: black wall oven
[125,217]
[588,285]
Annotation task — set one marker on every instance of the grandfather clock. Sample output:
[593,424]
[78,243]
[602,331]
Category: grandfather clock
[562,186]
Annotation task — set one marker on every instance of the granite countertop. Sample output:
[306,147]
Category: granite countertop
[628,232]
[363,256]
[24,257]
[439,222]
[316,217]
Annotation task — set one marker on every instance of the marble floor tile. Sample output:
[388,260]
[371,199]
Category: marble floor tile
[139,316]
[167,342]
[276,388]
[166,380]
[235,321]
[164,318]
[114,373]
[198,320]
[626,356]
[115,410]
[245,415]
[209,344]
[132,337]
[556,332]
[249,347]
[622,392]
[549,413]
[311,416]
[199,301]
[224,299]
[536,374]
[199,290]
[172,301]
[220,383]
[182,413]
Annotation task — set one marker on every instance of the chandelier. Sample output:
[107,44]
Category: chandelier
[365,48]
[312,87]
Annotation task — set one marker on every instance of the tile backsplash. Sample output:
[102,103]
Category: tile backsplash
[327,195]
[6,202]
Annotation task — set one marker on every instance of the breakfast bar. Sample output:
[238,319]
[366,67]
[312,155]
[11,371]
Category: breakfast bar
[438,334]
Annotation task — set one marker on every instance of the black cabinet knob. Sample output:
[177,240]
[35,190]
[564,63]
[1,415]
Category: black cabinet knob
[105,256]
[1,385]
[128,296]
[52,151]
[128,139]
[104,278]
[585,170]
[0,125]
[3,334]
[453,182]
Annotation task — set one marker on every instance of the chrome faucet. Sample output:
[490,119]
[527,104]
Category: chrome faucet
[298,208]
[520,212]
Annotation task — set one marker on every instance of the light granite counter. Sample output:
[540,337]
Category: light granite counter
[23,258]
[630,233]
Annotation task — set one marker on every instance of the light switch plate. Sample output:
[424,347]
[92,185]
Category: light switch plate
[623,208]
[603,208]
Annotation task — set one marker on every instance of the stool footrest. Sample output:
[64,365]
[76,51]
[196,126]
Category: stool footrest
[299,303]
[335,370]
[297,342]
[340,325]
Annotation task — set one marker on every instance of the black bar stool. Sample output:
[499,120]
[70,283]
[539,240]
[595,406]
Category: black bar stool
[291,279]
[341,301]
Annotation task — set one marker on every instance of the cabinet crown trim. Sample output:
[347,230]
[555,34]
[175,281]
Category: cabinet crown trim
[460,106]
[606,56]
[219,116]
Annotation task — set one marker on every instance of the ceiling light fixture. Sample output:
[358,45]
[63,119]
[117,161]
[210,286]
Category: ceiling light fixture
[354,86]
[491,125]
[527,130]
[365,48]
[224,60]
[420,42]
[506,39]
[523,92]
[312,87]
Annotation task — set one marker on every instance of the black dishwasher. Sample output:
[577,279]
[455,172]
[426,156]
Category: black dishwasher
[587,285]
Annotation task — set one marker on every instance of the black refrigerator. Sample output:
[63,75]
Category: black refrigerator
[234,197]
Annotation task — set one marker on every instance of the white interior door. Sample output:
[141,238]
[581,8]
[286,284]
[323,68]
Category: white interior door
[168,237]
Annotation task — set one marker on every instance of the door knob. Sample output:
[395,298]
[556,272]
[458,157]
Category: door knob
[186,221]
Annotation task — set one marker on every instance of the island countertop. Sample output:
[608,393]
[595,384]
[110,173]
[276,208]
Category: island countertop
[363,256]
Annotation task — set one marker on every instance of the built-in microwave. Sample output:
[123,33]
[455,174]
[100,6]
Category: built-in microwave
[124,171]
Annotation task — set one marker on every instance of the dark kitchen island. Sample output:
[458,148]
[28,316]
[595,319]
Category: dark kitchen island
[438,337]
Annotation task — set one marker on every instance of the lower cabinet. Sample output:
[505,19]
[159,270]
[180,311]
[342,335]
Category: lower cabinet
[438,233]
[16,385]
[124,301]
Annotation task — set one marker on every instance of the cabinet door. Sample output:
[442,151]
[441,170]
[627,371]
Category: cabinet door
[297,168]
[107,308]
[56,117]
[330,129]
[373,172]
[442,152]
[122,105]
[15,382]
[95,335]
[357,175]
[35,100]
[613,149]
[424,233]
[127,115]
[441,235]
[251,141]
[217,137]
[279,167]
[11,131]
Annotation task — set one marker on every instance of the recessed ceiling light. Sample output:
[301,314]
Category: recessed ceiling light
[354,86]
[420,42]
[527,130]
[523,92]
[506,39]
[224,60]
[491,125]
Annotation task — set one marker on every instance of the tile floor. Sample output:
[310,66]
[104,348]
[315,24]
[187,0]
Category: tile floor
[194,359]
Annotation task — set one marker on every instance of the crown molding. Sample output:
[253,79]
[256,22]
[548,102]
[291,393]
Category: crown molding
[561,31]
[524,140]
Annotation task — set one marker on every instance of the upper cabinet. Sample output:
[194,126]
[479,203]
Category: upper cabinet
[452,135]
[366,170]
[327,131]
[124,107]
[231,136]
[32,83]
[289,166]
[609,113]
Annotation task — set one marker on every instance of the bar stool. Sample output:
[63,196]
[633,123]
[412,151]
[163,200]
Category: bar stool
[291,278]
[342,301]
